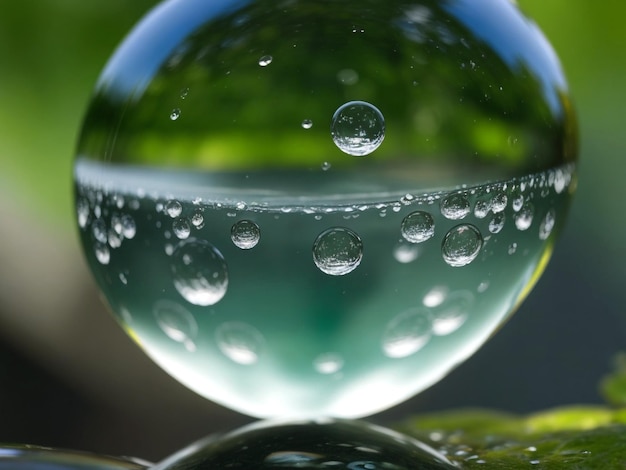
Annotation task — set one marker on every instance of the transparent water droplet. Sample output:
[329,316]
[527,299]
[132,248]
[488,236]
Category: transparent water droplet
[265,60]
[329,363]
[82,212]
[173,208]
[116,224]
[240,342]
[326,166]
[307,124]
[181,228]
[482,208]
[176,322]
[512,248]
[245,234]
[129,228]
[405,253]
[547,224]
[199,271]
[175,114]
[417,227]
[197,220]
[103,255]
[455,206]
[524,218]
[560,181]
[337,251]
[123,278]
[407,333]
[498,203]
[241,206]
[482,287]
[452,314]
[99,230]
[461,245]
[115,239]
[358,128]
[518,201]
[496,224]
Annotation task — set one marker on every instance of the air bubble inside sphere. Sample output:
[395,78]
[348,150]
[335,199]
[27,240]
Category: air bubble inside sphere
[245,249]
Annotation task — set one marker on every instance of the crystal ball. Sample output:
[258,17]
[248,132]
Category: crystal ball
[328,444]
[310,208]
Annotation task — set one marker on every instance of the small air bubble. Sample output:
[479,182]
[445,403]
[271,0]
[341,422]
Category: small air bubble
[497,223]
[417,227]
[358,128]
[265,60]
[547,224]
[455,207]
[173,208]
[129,228]
[197,220]
[307,124]
[175,114]
[498,203]
[524,218]
[181,228]
[461,245]
[337,251]
[103,255]
[245,234]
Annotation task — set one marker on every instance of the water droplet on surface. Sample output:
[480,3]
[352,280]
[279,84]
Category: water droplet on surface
[265,60]
[358,128]
[307,124]
[197,220]
[123,278]
[407,333]
[547,224]
[176,322]
[418,227]
[518,201]
[337,251]
[326,166]
[328,363]
[103,255]
[200,272]
[455,207]
[129,228]
[99,230]
[245,234]
[496,224]
[115,239]
[524,218]
[181,228]
[498,203]
[512,248]
[461,245]
[173,208]
[175,114]
[482,208]
[240,342]
[82,212]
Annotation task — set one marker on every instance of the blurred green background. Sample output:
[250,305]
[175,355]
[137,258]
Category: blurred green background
[70,377]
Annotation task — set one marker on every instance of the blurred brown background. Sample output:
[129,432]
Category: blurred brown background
[70,377]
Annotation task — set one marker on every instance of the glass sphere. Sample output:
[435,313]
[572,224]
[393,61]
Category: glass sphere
[307,208]
[349,445]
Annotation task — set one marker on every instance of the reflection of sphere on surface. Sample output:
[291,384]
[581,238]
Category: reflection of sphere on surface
[303,179]
[44,458]
[328,445]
